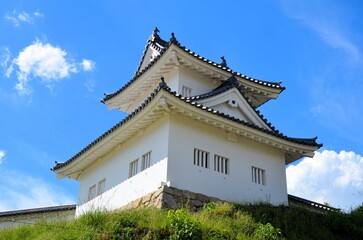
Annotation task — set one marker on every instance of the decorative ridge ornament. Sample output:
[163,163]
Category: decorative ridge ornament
[173,39]
[224,62]
[154,35]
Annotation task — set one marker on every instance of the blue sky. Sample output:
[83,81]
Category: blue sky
[58,58]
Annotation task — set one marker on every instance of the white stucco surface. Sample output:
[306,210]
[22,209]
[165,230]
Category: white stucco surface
[114,167]
[237,186]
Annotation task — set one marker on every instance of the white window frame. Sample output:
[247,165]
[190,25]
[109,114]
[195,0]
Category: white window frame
[258,175]
[186,91]
[201,158]
[221,164]
[133,170]
[101,186]
[145,161]
[92,192]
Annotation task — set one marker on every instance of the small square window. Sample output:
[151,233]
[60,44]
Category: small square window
[92,192]
[145,161]
[201,158]
[133,168]
[186,91]
[221,164]
[258,175]
[101,187]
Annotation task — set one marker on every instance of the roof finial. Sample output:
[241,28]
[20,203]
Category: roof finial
[162,79]
[224,62]
[173,39]
[155,34]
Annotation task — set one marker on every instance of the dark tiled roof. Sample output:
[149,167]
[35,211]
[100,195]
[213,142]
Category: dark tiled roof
[311,204]
[276,133]
[165,45]
[162,85]
[38,210]
[227,85]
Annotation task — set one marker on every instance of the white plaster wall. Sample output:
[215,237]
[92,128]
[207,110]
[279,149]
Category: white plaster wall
[114,167]
[231,111]
[30,219]
[199,83]
[237,186]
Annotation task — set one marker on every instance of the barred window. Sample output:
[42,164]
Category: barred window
[133,168]
[258,175]
[92,192]
[186,91]
[145,161]
[201,158]
[101,186]
[221,164]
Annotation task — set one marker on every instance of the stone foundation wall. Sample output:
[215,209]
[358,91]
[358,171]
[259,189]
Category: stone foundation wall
[172,198]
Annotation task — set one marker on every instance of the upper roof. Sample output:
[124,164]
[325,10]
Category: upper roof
[162,101]
[165,55]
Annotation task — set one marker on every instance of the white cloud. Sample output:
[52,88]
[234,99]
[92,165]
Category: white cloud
[17,18]
[44,61]
[20,191]
[2,156]
[335,178]
[88,65]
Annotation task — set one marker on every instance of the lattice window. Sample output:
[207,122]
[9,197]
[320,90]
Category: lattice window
[201,158]
[186,91]
[145,161]
[258,175]
[133,168]
[221,164]
[92,192]
[101,186]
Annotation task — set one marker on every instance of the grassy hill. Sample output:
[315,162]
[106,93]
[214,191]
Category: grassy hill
[215,221]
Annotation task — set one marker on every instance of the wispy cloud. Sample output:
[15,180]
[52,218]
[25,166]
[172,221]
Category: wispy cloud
[5,57]
[2,156]
[17,18]
[335,178]
[330,22]
[24,191]
[44,61]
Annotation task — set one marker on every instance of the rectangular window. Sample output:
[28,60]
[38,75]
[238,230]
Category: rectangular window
[258,175]
[101,187]
[201,158]
[92,192]
[221,164]
[133,168]
[186,91]
[145,161]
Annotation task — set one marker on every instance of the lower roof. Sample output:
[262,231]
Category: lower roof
[295,147]
[30,211]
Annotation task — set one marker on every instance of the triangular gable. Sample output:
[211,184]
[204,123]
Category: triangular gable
[233,103]
[155,45]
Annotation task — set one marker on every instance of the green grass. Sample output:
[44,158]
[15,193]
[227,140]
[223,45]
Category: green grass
[215,221]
